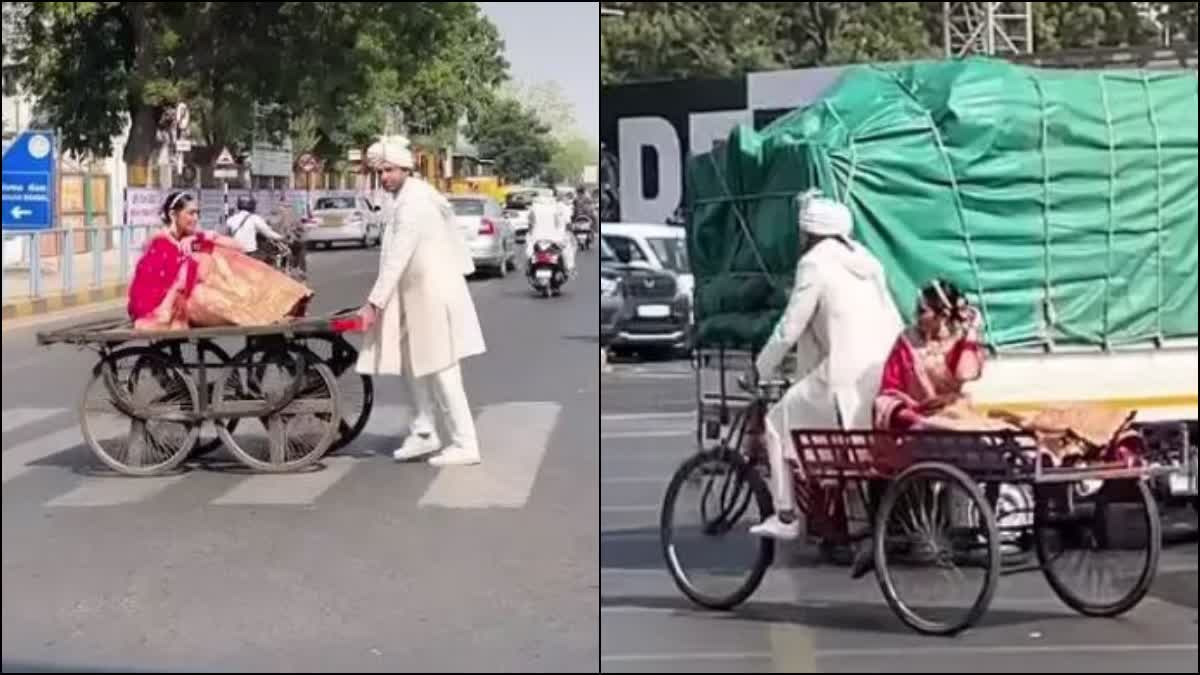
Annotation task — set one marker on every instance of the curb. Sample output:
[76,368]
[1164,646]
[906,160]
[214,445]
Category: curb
[54,303]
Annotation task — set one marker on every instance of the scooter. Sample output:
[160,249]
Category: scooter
[545,271]
[581,227]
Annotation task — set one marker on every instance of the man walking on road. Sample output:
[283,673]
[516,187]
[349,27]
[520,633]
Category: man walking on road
[420,320]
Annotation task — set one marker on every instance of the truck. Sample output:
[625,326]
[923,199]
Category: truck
[1063,202]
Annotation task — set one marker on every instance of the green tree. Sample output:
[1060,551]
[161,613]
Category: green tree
[514,137]
[94,65]
[571,156]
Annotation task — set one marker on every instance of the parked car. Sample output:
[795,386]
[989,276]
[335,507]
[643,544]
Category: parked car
[660,247]
[612,296]
[652,313]
[488,233]
[343,219]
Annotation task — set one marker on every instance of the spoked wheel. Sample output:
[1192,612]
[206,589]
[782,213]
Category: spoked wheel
[215,360]
[287,438]
[1098,552]
[937,549]
[137,413]
[710,504]
[356,393]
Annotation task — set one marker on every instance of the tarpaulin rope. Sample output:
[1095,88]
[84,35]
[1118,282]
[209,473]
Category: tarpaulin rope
[741,220]
[1112,211]
[845,198]
[1049,315]
[962,221]
[1158,211]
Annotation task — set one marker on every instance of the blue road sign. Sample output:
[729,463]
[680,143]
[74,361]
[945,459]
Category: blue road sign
[28,177]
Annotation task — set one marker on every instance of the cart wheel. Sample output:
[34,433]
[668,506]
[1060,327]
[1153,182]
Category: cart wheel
[135,413]
[289,438]
[356,393]
[216,360]
[937,549]
[710,504]
[1099,554]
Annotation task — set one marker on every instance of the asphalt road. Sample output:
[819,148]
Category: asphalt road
[810,616]
[366,565]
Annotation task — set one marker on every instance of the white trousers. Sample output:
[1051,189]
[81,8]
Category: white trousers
[806,404]
[441,395]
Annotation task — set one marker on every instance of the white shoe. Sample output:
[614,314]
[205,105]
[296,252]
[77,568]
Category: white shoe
[455,455]
[417,445]
[774,528]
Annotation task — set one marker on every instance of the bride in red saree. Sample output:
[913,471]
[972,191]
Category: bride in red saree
[187,277]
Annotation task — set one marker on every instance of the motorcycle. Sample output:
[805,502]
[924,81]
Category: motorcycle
[581,227]
[546,272]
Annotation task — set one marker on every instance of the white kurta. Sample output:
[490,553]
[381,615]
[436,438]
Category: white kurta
[428,321]
[843,315]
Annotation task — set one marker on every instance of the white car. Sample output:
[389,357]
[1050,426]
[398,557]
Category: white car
[343,219]
[659,247]
[487,232]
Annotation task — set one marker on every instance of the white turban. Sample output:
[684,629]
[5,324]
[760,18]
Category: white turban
[824,217]
[392,150]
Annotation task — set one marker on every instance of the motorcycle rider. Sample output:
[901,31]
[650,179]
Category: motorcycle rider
[548,222]
[246,226]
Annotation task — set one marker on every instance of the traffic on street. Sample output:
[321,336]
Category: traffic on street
[359,563]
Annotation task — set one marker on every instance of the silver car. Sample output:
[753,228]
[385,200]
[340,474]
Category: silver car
[487,231]
[343,219]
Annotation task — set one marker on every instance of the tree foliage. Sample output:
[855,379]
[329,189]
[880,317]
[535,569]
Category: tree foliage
[93,66]
[675,40]
[514,137]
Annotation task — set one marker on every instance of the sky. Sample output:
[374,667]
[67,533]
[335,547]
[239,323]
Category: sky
[555,41]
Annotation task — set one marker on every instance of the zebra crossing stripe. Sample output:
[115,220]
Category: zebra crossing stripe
[294,489]
[19,458]
[513,440]
[16,418]
[114,491]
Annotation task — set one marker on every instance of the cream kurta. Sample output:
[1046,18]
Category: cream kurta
[428,321]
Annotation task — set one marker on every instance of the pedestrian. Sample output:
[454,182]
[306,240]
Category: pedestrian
[843,318]
[419,318]
[293,234]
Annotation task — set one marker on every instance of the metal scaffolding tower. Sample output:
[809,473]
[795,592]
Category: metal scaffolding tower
[989,28]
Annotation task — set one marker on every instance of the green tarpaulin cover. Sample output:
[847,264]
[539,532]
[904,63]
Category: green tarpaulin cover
[1062,202]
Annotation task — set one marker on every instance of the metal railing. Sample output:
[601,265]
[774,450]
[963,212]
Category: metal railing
[42,263]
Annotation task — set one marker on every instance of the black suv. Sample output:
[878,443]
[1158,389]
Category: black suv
[651,313]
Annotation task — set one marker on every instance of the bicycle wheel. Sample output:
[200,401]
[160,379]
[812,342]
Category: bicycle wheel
[356,393]
[294,436]
[937,549]
[1099,553]
[216,359]
[135,412]
[710,504]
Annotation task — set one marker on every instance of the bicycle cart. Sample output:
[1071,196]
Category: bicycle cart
[289,396]
[929,504]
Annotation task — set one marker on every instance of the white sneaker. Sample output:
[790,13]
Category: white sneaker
[417,445]
[455,455]
[774,528]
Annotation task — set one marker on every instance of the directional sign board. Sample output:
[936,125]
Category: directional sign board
[28,177]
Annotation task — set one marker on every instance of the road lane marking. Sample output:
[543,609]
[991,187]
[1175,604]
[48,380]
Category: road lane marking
[15,418]
[513,441]
[1003,649]
[662,433]
[288,489]
[18,459]
[686,656]
[114,491]
[630,509]
[793,648]
[637,417]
